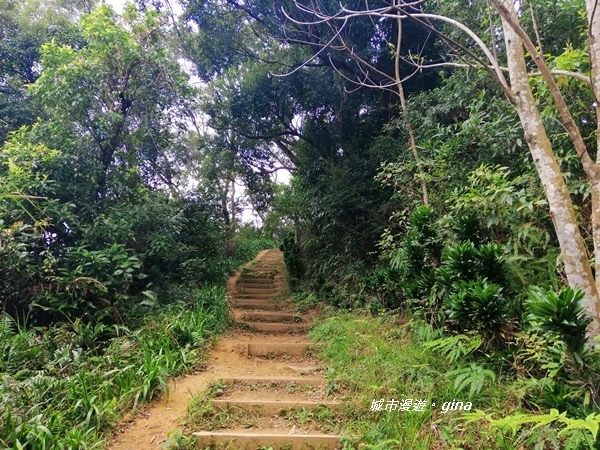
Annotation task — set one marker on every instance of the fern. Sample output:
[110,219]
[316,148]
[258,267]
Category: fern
[473,377]
[456,347]
[514,423]
[7,325]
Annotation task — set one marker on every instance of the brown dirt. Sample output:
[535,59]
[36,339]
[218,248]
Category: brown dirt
[150,428]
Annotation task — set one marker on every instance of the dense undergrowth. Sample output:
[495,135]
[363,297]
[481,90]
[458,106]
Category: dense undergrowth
[477,273]
[66,385]
[104,243]
[403,381]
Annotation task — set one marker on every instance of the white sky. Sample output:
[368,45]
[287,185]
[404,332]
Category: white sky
[116,4]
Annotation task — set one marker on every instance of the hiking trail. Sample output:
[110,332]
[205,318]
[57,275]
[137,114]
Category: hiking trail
[263,367]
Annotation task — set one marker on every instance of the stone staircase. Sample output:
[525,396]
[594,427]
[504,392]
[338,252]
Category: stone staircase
[272,339]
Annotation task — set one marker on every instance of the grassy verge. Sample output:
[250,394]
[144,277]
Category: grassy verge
[402,383]
[66,386]
[247,249]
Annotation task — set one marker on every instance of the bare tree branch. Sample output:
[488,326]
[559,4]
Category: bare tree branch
[392,12]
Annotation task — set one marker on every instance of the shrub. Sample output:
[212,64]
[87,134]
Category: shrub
[477,305]
[574,364]
[561,314]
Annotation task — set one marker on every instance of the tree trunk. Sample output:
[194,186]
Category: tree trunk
[411,132]
[593,13]
[596,232]
[574,252]
[232,203]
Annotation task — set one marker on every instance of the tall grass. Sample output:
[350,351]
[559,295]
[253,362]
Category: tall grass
[55,393]
[245,249]
[384,357]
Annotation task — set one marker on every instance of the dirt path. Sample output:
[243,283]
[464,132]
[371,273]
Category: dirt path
[268,344]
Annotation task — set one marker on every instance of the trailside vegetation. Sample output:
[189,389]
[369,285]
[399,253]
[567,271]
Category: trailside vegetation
[442,157]
[113,255]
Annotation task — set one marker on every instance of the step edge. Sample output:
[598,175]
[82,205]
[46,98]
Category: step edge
[242,434]
[307,380]
[274,402]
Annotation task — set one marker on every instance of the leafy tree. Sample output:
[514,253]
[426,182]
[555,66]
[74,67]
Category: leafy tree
[90,208]
[20,41]
[26,211]
[518,90]
[305,121]
[116,100]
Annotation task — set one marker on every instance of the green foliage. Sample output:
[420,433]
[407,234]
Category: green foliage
[511,211]
[337,239]
[177,440]
[88,229]
[571,361]
[467,228]
[461,262]
[60,392]
[25,167]
[561,314]
[472,377]
[557,377]
[24,215]
[477,305]
[415,260]
[16,272]
[21,39]
[89,280]
[511,431]
[98,226]
[381,286]
[293,262]
[422,245]
[555,391]
[455,347]
[389,357]
[247,243]
[475,281]
[467,282]
[466,262]
[119,123]
[408,359]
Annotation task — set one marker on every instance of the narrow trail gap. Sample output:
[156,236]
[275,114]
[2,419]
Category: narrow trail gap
[263,354]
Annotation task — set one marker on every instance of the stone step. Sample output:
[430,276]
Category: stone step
[262,274]
[275,439]
[304,381]
[256,273]
[256,282]
[272,408]
[267,316]
[256,296]
[272,327]
[277,348]
[251,290]
[253,303]
[304,369]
